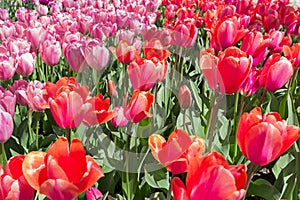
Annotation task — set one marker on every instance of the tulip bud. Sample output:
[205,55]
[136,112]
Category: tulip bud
[184,97]
[112,88]
[7,126]
[93,194]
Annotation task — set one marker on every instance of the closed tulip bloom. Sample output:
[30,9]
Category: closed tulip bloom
[125,52]
[50,52]
[74,54]
[185,34]
[35,35]
[263,138]
[25,63]
[219,72]
[139,105]
[112,90]
[144,73]
[276,72]
[68,102]
[19,85]
[99,113]
[93,194]
[211,177]
[293,54]
[227,32]
[13,184]
[7,67]
[63,172]
[176,153]
[184,97]
[6,127]
[7,101]
[251,84]
[97,55]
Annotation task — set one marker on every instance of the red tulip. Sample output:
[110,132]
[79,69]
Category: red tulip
[176,153]
[227,32]
[13,184]
[68,102]
[63,172]
[139,106]
[99,113]
[125,52]
[228,71]
[211,177]
[276,72]
[184,97]
[263,138]
[293,54]
[154,48]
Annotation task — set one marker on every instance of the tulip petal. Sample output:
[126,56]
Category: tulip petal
[291,135]
[179,189]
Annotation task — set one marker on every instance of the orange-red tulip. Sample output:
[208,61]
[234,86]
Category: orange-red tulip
[211,177]
[68,102]
[12,181]
[139,105]
[176,153]
[62,173]
[263,138]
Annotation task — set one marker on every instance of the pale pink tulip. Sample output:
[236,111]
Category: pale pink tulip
[50,52]
[7,67]
[25,64]
[119,120]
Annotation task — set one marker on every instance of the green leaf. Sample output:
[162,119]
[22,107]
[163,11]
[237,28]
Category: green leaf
[157,179]
[264,189]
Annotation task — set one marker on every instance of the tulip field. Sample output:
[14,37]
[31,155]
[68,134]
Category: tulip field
[149,99]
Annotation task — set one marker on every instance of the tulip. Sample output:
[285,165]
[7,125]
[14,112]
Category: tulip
[263,138]
[119,119]
[25,64]
[276,72]
[6,127]
[143,74]
[13,185]
[4,14]
[293,54]
[231,63]
[50,51]
[112,90]
[7,67]
[251,84]
[124,52]
[93,194]
[184,97]
[139,106]
[68,102]
[255,45]
[154,48]
[74,54]
[7,101]
[63,172]
[278,40]
[185,34]
[99,112]
[176,153]
[35,35]
[97,55]
[16,88]
[227,32]
[211,177]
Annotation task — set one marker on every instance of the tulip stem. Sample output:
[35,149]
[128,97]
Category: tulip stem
[68,134]
[250,173]
[37,135]
[3,155]
[170,188]
[183,118]
[29,115]
[262,98]
[214,114]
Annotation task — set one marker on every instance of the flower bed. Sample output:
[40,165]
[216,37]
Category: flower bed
[149,99]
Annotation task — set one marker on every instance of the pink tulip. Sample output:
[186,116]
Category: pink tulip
[6,127]
[17,46]
[42,9]
[251,84]
[16,88]
[255,45]
[144,73]
[227,32]
[112,88]
[7,101]
[263,138]
[35,35]
[74,54]
[139,105]
[93,194]
[7,30]
[7,67]
[25,64]
[184,97]
[278,40]
[185,34]
[276,72]
[97,55]
[4,15]
[211,177]
[50,51]
[119,120]
[293,54]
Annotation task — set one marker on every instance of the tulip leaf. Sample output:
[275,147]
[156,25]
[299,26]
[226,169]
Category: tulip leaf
[264,189]
[157,179]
